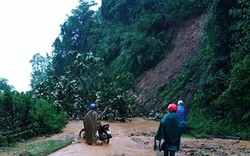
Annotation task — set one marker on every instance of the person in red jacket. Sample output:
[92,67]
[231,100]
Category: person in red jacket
[170,130]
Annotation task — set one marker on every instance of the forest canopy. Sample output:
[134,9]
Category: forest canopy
[99,55]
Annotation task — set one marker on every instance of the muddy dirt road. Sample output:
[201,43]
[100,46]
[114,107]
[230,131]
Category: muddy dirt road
[135,138]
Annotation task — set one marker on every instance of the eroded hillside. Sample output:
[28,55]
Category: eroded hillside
[187,43]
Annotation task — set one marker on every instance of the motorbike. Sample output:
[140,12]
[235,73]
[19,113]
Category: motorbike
[103,133]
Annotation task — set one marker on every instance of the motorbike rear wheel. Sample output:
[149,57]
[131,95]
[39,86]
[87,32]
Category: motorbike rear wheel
[82,133]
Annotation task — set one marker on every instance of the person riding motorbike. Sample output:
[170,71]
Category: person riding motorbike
[91,125]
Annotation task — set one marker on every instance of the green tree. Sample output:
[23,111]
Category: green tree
[4,86]
[45,120]
[73,36]
[41,67]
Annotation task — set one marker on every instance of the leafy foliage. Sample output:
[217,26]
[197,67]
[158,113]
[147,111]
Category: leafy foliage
[215,83]
[80,75]
[225,97]
[20,113]
[98,55]
[70,39]
[40,66]
[45,117]
[4,86]
[96,58]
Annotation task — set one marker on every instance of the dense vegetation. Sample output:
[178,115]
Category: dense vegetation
[23,116]
[99,54]
[218,78]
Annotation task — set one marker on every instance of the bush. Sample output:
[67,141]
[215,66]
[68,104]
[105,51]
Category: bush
[46,119]
[3,139]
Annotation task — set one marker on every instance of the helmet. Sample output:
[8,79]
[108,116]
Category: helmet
[172,107]
[180,102]
[93,106]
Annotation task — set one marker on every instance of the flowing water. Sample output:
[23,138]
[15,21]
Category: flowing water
[135,138]
[123,143]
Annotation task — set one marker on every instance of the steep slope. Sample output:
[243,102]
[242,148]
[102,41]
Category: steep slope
[187,43]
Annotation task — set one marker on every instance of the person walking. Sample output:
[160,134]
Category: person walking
[170,130]
[181,111]
[91,124]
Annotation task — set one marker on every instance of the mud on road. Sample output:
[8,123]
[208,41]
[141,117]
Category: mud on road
[135,138]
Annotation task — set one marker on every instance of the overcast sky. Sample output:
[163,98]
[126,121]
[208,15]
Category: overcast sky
[28,27]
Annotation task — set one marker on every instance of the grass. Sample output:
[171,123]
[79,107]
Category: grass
[39,148]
